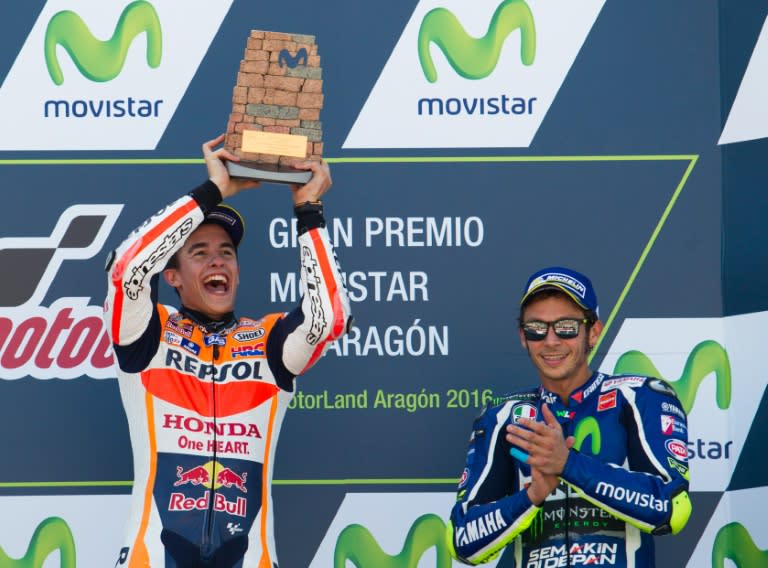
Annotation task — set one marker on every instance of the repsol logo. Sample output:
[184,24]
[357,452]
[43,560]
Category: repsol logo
[632,497]
[102,61]
[241,370]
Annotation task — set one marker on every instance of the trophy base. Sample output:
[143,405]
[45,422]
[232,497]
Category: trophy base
[268,172]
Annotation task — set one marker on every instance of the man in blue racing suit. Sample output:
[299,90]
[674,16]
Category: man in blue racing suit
[582,470]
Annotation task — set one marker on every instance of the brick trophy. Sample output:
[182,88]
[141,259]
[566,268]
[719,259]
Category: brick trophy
[276,107]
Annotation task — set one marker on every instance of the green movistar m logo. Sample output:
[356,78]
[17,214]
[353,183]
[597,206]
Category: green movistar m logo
[357,545]
[98,60]
[734,542]
[706,358]
[50,535]
[475,58]
[588,428]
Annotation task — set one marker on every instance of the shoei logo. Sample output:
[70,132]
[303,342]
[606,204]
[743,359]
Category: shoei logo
[66,339]
[102,60]
[733,542]
[50,536]
[479,74]
[748,119]
[104,75]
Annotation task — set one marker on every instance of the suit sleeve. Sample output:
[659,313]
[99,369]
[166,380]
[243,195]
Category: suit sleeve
[651,492]
[491,508]
[131,313]
[323,315]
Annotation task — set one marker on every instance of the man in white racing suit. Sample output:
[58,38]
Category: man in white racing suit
[204,391]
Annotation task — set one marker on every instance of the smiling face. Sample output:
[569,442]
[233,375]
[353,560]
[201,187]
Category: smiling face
[207,273]
[562,364]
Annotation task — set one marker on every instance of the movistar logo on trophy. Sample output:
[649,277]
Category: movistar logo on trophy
[286,59]
[276,107]
[98,60]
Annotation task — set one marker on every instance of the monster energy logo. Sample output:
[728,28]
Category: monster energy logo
[706,358]
[735,543]
[357,545]
[97,60]
[475,58]
[50,535]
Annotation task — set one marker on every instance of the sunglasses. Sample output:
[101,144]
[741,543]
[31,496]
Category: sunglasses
[566,328]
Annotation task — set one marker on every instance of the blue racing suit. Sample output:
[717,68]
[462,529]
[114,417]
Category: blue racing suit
[625,479]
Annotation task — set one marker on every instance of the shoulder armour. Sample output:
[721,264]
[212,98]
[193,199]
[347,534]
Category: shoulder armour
[660,386]
[529,395]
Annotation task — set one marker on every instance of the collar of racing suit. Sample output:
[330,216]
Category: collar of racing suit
[578,395]
[208,325]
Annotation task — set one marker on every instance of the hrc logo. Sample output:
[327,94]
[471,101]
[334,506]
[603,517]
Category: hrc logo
[248,350]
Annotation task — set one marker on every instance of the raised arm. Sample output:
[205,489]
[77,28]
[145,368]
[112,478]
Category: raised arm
[131,313]
[302,336]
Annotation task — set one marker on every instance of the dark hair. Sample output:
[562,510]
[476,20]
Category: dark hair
[173,262]
[589,315]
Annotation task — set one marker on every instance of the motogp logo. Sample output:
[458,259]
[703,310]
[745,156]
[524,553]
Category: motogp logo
[66,339]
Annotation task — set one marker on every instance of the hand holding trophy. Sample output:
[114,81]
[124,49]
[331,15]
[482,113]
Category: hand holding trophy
[276,106]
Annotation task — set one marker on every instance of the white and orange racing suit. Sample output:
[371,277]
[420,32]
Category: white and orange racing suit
[205,399]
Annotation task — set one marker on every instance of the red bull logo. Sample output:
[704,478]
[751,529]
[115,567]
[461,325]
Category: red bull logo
[180,502]
[212,475]
[198,475]
[229,478]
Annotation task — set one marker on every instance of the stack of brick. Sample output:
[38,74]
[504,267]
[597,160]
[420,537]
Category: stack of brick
[279,89]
